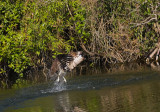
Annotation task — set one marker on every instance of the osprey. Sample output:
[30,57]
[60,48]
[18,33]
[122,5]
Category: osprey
[63,64]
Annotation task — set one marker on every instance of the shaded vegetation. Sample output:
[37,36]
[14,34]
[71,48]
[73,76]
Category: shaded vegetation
[122,31]
[32,32]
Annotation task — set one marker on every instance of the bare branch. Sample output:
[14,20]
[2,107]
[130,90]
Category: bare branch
[84,48]
[146,21]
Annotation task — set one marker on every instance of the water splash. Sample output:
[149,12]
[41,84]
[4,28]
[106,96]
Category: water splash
[55,87]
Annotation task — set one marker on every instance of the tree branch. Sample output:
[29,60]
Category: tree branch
[146,21]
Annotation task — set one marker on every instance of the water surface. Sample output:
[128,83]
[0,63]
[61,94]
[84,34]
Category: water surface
[125,91]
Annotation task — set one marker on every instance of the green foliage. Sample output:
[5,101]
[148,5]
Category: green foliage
[13,50]
[28,29]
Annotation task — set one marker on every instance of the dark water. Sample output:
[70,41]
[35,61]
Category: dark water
[125,91]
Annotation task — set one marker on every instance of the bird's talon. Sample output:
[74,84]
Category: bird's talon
[57,79]
[64,80]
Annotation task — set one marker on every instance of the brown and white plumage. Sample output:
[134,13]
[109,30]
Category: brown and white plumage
[64,63]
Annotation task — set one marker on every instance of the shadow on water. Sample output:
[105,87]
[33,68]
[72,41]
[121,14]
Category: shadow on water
[96,90]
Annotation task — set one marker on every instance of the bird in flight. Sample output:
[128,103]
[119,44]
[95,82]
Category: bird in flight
[63,64]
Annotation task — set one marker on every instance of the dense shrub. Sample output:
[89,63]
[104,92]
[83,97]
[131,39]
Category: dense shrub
[112,30]
[122,31]
[30,29]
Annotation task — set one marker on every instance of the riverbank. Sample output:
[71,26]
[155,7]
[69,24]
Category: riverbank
[38,76]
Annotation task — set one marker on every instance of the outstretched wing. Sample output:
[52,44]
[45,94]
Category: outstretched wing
[65,60]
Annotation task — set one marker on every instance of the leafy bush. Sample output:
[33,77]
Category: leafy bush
[112,30]
[30,29]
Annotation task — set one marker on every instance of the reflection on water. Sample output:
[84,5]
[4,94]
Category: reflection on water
[125,91]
